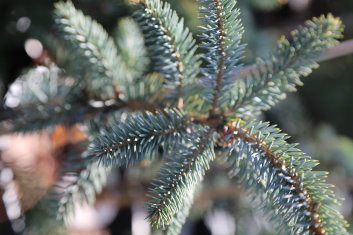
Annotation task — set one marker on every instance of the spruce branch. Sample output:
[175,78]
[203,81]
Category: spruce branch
[45,117]
[81,176]
[272,79]
[344,48]
[36,116]
[45,99]
[179,177]
[140,136]
[220,38]
[78,185]
[48,98]
[170,44]
[102,67]
[179,219]
[282,176]
[194,103]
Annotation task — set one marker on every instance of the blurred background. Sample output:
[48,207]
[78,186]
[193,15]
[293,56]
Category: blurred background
[319,117]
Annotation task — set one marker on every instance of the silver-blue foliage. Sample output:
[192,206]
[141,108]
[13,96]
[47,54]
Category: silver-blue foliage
[281,177]
[268,81]
[46,99]
[169,43]
[221,40]
[103,68]
[139,137]
[179,176]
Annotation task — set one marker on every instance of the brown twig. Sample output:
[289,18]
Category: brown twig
[222,55]
[342,49]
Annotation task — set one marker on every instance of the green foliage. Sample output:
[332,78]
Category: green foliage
[79,181]
[169,42]
[220,38]
[140,136]
[103,68]
[46,99]
[140,113]
[77,186]
[179,177]
[177,222]
[282,177]
[270,80]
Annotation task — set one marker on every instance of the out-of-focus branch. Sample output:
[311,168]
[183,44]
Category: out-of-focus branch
[88,111]
[342,49]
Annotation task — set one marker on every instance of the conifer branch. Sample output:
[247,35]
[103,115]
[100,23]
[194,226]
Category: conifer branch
[102,67]
[283,176]
[179,177]
[78,185]
[179,219]
[342,49]
[35,117]
[48,99]
[41,100]
[48,116]
[271,80]
[80,179]
[222,54]
[140,136]
[221,39]
[29,119]
[170,44]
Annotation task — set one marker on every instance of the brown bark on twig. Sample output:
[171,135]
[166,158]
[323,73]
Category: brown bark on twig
[342,49]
